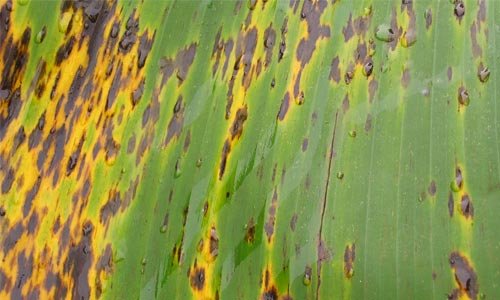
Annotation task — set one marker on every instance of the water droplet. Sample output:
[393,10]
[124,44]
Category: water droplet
[483,74]
[273,83]
[199,162]
[22,2]
[163,228]
[384,33]
[463,96]
[352,133]
[2,211]
[307,276]
[143,261]
[41,35]
[64,22]
[340,175]
[368,68]
[459,9]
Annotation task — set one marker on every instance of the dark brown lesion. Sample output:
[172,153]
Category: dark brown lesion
[451,204]
[235,132]
[285,104]
[250,233]
[270,294]
[269,42]
[197,278]
[111,207]
[335,70]
[428,18]
[349,257]
[271,220]
[180,64]
[293,222]
[465,277]
[175,125]
[432,188]
[466,207]
[214,243]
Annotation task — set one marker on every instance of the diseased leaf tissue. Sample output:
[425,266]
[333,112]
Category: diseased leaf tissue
[185,149]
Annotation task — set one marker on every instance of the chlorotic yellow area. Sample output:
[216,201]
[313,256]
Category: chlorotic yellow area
[44,244]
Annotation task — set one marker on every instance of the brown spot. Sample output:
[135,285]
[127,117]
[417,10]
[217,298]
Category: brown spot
[8,180]
[434,275]
[465,276]
[405,78]
[368,122]
[459,9]
[282,48]
[111,207]
[432,188]
[131,144]
[65,50]
[451,204]
[250,234]
[214,242]
[129,37]
[476,49]
[182,63]
[334,70]
[226,149]
[463,96]
[368,68]
[33,223]
[466,206]
[349,74]
[175,125]
[349,257]
[269,42]
[483,73]
[345,103]
[305,143]
[285,103]
[372,88]
[270,294]
[458,178]
[197,278]
[428,18]
[30,196]
[115,87]
[348,30]
[269,226]
[237,126]
[19,138]
[137,93]
[311,12]
[145,45]
[450,73]
[293,222]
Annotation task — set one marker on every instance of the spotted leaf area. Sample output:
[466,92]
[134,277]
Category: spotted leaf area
[263,149]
